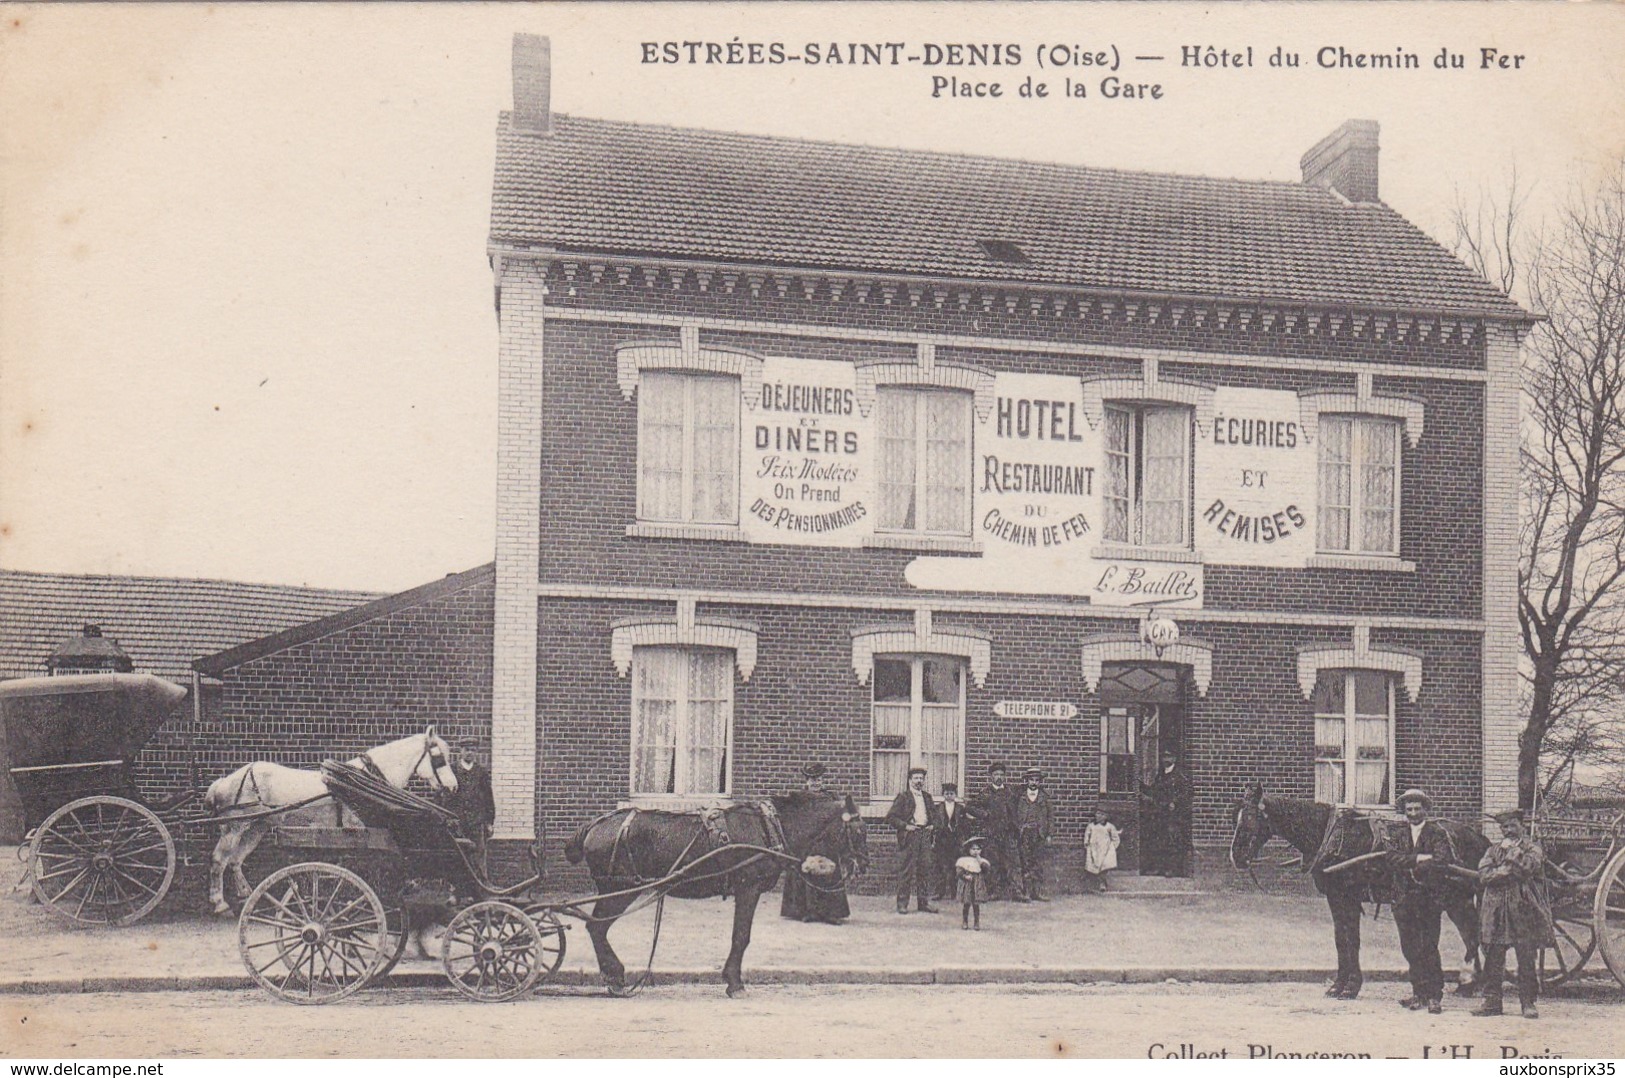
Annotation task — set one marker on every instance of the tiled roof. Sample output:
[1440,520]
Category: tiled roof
[607,187]
[162,623]
[215,665]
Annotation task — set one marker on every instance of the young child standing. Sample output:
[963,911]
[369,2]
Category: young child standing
[972,884]
[1100,840]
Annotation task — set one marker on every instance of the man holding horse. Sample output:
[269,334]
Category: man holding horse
[913,814]
[1514,912]
[1421,854]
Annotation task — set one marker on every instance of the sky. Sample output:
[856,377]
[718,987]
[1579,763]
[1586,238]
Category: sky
[246,323]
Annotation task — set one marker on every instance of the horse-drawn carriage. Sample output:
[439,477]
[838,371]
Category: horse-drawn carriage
[1585,874]
[364,850]
[98,853]
[316,932]
[1344,851]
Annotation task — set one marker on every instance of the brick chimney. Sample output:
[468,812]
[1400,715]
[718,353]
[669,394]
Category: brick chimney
[1345,161]
[532,73]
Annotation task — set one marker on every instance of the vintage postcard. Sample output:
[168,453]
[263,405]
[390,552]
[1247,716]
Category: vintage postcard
[857,530]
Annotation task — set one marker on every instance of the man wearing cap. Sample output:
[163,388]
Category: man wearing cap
[1034,817]
[995,808]
[953,826]
[912,813]
[818,898]
[1165,829]
[1420,855]
[1514,912]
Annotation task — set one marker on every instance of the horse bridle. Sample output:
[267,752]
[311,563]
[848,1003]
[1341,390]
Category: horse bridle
[431,750]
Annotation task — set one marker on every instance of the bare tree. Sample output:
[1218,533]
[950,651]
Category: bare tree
[1571,572]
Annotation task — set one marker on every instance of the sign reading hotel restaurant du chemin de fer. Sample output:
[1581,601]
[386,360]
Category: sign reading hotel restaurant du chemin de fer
[1038,473]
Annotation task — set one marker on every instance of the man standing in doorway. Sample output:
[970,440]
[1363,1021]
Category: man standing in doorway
[996,810]
[1165,835]
[1034,818]
[1421,853]
[912,813]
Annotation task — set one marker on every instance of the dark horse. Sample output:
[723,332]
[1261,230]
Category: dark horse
[737,851]
[1327,837]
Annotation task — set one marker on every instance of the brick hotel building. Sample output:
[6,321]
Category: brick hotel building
[884,458]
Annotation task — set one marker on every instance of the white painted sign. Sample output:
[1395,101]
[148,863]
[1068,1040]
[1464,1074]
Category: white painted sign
[1035,494]
[1034,709]
[1146,583]
[809,475]
[1256,476]
[807,466]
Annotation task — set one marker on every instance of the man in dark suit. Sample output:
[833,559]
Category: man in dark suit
[995,809]
[953,826]
[1421,853]
[912,813]
[1034,817]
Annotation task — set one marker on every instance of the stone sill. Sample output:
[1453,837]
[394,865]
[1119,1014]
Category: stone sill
[1145,553]
[947,544]
[676,802]
[1364,564]
[725,533]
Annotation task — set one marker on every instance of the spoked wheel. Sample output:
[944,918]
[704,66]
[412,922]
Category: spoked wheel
[551,930]
[1608,915]
[102,861]
[397,931]
[1575,942]
[493,952]
[313,933]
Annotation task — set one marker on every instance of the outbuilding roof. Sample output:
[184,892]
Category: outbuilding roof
[162,623]
[217,664]
[613,188]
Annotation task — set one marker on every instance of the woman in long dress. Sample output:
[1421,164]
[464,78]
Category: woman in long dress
[816,898]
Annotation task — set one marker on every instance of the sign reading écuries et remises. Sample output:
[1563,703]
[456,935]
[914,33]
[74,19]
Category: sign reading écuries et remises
[809,476]
[1256,481]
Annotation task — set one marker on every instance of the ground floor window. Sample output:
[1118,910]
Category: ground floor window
[682,720]
[1354,737]
[918,720]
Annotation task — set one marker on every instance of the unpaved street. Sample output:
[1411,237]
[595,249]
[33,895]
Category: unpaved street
[800,1021]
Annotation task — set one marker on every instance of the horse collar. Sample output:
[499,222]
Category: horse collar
[370,766]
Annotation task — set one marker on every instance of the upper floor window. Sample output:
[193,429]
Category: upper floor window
[925,460]
[682,719]
[1359,484]
[688,448]
[1354,737]
[1148,476]
[918,721]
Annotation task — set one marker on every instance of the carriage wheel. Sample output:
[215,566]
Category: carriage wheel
[397,931]
[493,952]
[1575,942]
[551,930]
[102,861]
[313,933]
[1608,915]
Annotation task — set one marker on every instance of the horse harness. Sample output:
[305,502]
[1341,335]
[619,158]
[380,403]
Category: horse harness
[713,826]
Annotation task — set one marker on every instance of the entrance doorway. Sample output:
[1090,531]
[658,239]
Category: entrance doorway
[1142,716]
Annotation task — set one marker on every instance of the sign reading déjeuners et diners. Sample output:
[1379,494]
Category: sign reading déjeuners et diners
[807,465]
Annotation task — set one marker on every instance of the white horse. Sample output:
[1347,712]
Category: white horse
[254,788]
